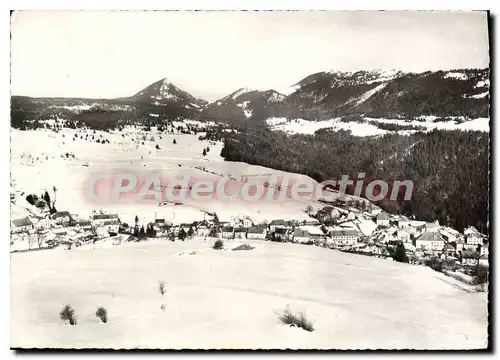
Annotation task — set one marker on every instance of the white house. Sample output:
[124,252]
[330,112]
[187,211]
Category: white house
[98,219]
[430,240]
[278,224]
[247,222]
[403,222]
[43,224]
[111,225]
[434,226]
[257,232]
[485,249]
[473,237]
[382,219]
[403,236]
[351,216]
[301,236]
[227,232]
[240,233]
[21,225]
[470,258]
[344,237]
[483,260]
[203,229]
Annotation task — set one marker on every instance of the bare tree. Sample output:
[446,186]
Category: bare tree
[162,287]
[32,239]
[53,208]
[309,210]
[40,239]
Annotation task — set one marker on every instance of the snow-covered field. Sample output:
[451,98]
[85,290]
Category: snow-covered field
[301,126]
[225,299]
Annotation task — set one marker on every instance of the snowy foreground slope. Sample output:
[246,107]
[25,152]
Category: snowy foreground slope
[226,299]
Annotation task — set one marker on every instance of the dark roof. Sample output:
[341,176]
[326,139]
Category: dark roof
[470,255]
[202,223]
[383,216]
[281,231]
[105,216]
[83,222]
[344,233]
[159,221]
[256,229]
[111,222]
[278,222]
[61,214]
[301,233]
[240,229]
[449,245]
[22,222]
[228,229]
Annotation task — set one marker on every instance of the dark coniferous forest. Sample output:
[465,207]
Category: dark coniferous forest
[449,168]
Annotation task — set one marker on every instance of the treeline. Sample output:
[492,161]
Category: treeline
[31,113]
[449,169]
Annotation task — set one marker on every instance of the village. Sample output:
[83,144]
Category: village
[343,227]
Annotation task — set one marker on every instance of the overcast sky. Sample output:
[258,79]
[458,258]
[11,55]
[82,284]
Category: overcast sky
[211,54]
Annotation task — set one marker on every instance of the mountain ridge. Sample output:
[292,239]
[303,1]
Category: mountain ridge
[319,96]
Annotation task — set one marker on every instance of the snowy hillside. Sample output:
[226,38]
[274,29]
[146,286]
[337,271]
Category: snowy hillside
[244,104]
[230,299]
[370,126]
[45,150]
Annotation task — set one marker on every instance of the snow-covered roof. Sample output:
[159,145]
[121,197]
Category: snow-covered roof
[367,227]
[430,236]
[313,230]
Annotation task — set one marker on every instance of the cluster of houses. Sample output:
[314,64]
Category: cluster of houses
[61,228]
[369,232]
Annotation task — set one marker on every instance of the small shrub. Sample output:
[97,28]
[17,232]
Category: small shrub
[162,287]
[102,314]
[243,247]
[163,307]
[300,320]
[480,274]
[218,245]
[68,313]
[353,118]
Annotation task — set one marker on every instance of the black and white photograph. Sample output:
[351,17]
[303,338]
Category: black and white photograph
[250,180]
